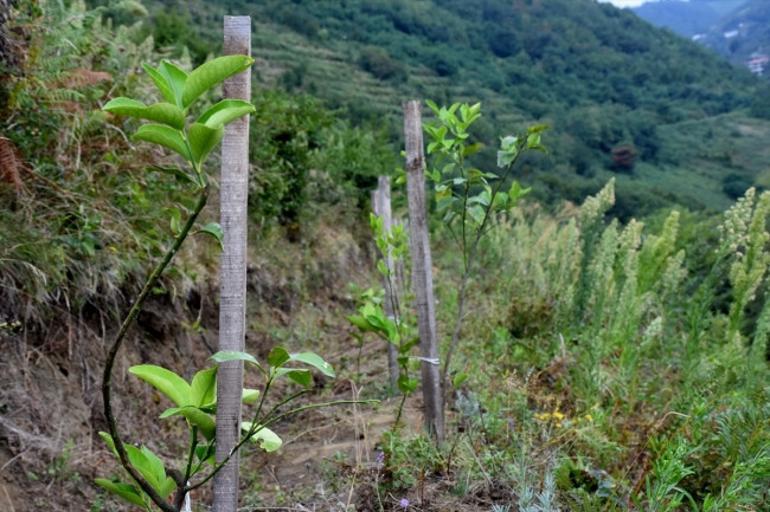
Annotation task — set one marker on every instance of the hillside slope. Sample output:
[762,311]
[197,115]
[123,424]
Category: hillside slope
[687,18]
[743,32]
[599,75]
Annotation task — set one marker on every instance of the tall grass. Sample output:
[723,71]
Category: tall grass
[635,359]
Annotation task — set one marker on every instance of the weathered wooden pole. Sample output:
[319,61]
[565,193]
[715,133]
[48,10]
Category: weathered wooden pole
[382,209]
[234,186]
[422,273]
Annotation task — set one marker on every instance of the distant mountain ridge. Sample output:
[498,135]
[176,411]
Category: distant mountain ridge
[743,33]
[687,18]
[736,29]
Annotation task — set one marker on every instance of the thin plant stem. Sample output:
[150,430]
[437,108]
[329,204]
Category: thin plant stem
[118,341]
[469,255]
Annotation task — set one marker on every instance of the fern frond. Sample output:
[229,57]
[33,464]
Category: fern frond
[10,164]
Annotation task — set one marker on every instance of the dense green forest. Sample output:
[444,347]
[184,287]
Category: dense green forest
[612,322]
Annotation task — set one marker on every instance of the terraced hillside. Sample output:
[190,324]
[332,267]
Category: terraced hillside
[602,78]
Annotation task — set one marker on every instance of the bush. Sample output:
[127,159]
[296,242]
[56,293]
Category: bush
[735,185]
[380,64]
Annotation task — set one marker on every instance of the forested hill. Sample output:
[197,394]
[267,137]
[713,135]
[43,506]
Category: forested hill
[742,32]
[603,78]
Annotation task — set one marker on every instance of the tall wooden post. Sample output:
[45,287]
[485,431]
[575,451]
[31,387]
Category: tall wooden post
[232,304]
[422,274]
[382,209]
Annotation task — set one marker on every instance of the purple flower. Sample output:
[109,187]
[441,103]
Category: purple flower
[379,458]
[404,503]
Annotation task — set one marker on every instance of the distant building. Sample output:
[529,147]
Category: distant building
[730,34]
[757,63]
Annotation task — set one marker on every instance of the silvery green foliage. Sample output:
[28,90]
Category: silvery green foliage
[542,499]
[744,238]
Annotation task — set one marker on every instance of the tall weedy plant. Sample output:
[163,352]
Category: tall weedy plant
[151,482]
[468,198]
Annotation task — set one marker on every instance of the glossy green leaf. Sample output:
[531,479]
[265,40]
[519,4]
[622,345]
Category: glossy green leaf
[225,355]
[213,229]
[165,381]
[266,438]
[195,416]
[299,375]
[124,491]
[164,113]
[224,112]
[278,357]
[164,136]
[314,360]
[139,461]
[211,73]
[155,467]
[204,387]
[249,395]
[203,139]
[205,454]
[107,438]
[360,322]
[161,83]
[176,78]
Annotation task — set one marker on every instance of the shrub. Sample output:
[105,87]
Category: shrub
[380,64]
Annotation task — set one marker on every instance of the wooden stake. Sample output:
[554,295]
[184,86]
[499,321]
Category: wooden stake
[422,274]
[382,208]
[232,305]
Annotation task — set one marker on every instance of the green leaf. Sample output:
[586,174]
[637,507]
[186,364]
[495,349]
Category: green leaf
[164,113]
[298,375]
[226,355]
[165,381]
[164,136]
[167,487]
[407,385]
[224,112]
[206,451]
[109,442]
[161,83]
[139,461]
[203,139]
[213,72]
[195,416]
[278,357]
[314,360]
[266,438]
[203,389]
[360,322]
[459,379]
[175,222]
[154,467]
[215,230]
[125,491]
[175,78]
[249,395]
